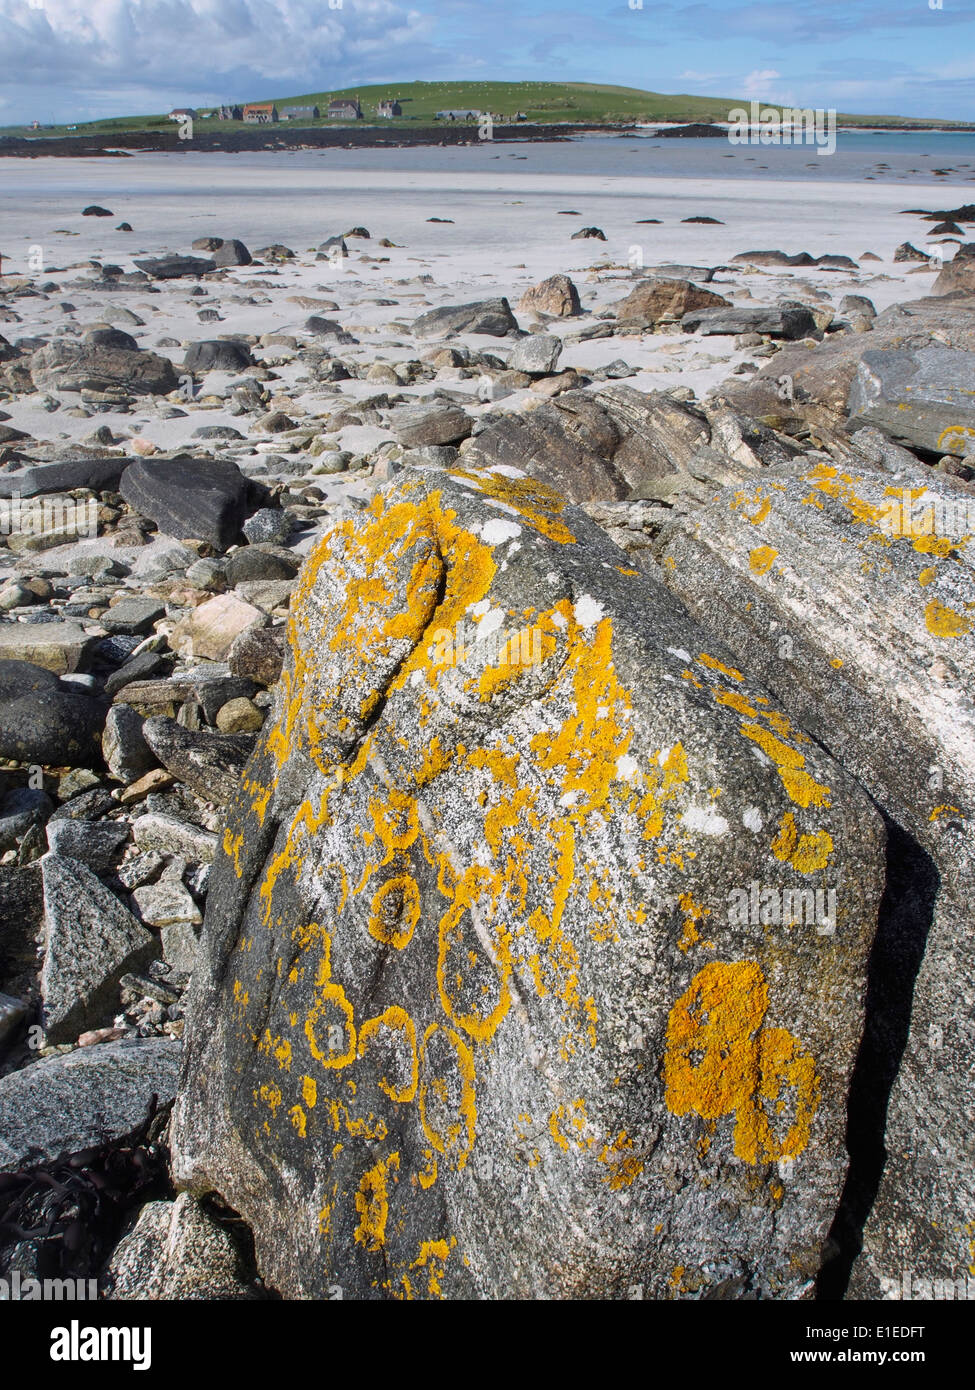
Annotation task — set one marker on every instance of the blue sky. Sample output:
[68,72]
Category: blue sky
[80,59]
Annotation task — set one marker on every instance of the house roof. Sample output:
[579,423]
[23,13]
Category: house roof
[259,106]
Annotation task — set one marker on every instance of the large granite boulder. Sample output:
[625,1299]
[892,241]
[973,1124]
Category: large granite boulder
[851,593]
[485,1005]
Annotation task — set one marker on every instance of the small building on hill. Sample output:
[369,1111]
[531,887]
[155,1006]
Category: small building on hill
[345,109]
[260,113]
[230,113]
[182,113]
[459,115]
[300,113]
[389,109]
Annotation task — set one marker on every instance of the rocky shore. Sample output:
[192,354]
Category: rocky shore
[395,701]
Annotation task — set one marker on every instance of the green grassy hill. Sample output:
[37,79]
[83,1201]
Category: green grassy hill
[540,102]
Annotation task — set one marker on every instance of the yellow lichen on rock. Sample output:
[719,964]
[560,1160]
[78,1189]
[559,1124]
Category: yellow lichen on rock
[720,1061]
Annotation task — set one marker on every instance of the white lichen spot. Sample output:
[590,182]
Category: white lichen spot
[489,623]
[752,819]
[569,799]
[587,611]
[705,819]
[558,620]
[496,531]
[506,470]
[680,653]
[477,610]
[627,768]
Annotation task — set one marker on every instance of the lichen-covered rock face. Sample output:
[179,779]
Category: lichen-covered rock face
[851,592]
[500,992]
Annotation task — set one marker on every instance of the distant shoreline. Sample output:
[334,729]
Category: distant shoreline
[286,137]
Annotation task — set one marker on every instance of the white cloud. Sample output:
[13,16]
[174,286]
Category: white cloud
[757,82]
[182,48]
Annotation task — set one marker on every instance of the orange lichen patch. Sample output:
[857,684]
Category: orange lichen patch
[926,576]
[270,1095]
[942,621]
[537,503]
[304,824]
[232,845]
[623,1164]
[734,701]
[448,1109]
[836,662]
[396,820]
[939,546]
[299,1119]
[761,559]
[940,811]
[276,1047]
[591,739]
[506,815]
[568,1125]
[760,500]
[802,789]
[433,761]
[395,1030]
[432,1260]
[710,1062]
[502,766]
[427,1176]
[372,1204]
[720,1061]
[473,987]
[806,853]
[330,1027]
[713,664]
[309,1091]
[782,1066]
[395,911]
[694,913]
[827,479]
[260,793]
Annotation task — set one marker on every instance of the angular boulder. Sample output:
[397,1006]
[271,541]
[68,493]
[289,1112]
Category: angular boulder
[658,298]
[175,267]
[924,397]
[778,321]
[489,316]
[433,422]
[470,961]
[91,941]
[557,296]
[65,365]
[206,499]
[614,445]
[64,1104]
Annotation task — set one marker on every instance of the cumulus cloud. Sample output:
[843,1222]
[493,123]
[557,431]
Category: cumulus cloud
[191,46]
